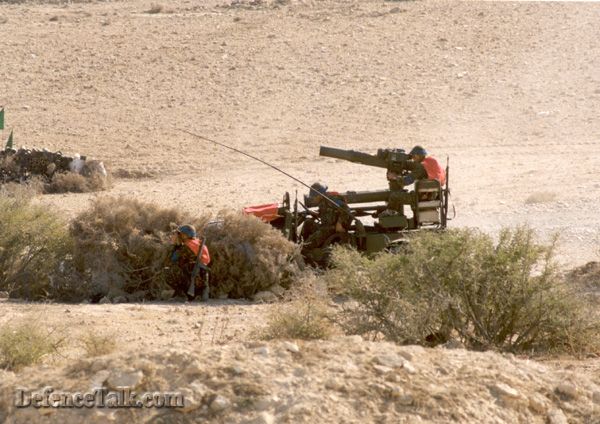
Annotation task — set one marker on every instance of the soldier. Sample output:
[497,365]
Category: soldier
[423,167]
[328,221]
[185,254]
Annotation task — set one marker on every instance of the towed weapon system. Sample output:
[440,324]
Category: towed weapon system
[385,225]
[381,219]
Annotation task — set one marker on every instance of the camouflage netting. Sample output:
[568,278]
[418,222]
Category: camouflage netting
[122,248]
[56,172]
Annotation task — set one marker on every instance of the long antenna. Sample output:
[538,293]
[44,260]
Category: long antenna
[324,196]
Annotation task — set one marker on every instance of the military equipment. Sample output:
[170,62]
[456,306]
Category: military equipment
[379,231]
[198,266]
[20,165]
[427,207]
[23,164]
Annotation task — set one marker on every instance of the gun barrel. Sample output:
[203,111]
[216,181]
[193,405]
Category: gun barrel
[353,156]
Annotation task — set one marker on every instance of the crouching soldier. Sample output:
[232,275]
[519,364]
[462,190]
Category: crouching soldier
[193,263]
[328,226]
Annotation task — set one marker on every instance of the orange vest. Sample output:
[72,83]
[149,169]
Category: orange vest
[434,170]
[194,245]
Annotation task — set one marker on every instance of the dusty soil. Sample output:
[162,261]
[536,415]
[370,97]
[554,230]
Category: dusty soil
[509,91]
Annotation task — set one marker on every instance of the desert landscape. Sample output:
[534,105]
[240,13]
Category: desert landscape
[508,91]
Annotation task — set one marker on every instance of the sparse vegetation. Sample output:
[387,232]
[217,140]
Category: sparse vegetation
[158,8]
[25,344]
[306,319]
[155,8]
[506,295]
[98,345]
[540,197]
[33,244]
[71,182]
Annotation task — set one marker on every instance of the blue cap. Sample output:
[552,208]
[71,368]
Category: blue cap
[317,188]
[418,150]
[188,230]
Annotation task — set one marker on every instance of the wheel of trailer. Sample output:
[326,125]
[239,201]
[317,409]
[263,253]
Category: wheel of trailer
[398,247]
[328,246]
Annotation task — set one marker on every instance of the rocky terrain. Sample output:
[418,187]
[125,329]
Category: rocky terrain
[510,91]
[346,379]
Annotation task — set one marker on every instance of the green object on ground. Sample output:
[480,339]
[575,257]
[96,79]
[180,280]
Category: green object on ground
[9,142]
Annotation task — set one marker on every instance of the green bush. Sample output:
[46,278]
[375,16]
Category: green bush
[506,295]
[34,245]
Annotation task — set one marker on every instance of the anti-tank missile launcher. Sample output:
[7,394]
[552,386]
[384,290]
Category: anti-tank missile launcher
[386,224]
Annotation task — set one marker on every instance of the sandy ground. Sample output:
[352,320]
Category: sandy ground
[509,91]
[145,326]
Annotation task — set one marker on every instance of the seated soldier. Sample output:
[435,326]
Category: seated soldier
[328,221]
[423,167]
[420,167]
[185,254]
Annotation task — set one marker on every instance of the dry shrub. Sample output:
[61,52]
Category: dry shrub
[71,182]
[249,256]
[306,319]
[122,247]
[32,169]
[25,344]
[97,345]
[305,315]
[158,8]
[540,197]
[27,190]
[132,174]
[34,245]
[506,295]
[9,169]
[586,281]
[587,275]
